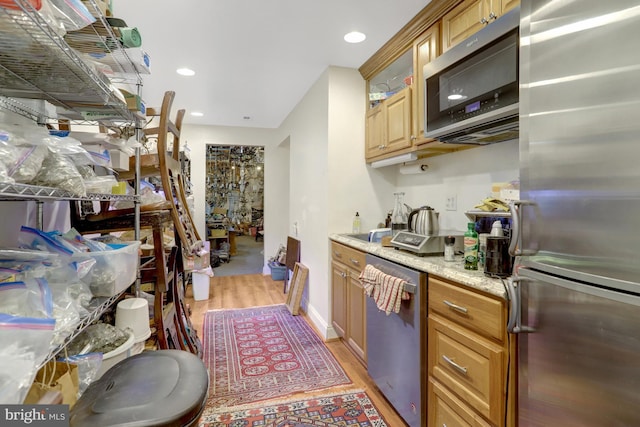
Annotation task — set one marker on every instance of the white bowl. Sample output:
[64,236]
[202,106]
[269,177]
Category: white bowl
[114,356]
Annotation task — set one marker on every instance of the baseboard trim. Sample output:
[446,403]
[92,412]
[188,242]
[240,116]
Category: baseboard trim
[326,331]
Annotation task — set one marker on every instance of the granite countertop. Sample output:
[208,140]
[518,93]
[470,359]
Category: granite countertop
[430,264]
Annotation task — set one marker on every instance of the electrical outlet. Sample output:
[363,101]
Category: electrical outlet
[452,203]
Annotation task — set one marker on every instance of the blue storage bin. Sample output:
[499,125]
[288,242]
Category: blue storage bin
[277,271]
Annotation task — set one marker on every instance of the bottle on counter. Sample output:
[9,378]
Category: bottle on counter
[471,247]
[387,221]
[356,224]
[482,249]
[400,215]
[449,252]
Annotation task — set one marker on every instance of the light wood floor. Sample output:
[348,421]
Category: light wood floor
[256,290]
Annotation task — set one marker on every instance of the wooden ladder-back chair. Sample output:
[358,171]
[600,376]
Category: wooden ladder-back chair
[165,269]
[169,169]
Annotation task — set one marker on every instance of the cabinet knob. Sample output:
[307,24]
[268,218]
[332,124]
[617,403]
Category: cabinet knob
[484,21]
[413,137]
[337,254]
[344,275]
[382,147]
[493,16]
[354,261]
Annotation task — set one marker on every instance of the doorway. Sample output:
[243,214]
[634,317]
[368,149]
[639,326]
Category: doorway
[234,208]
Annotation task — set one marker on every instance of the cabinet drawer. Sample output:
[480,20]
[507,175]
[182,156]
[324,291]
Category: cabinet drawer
[471,366]
[472,310]
[445,409]
[348,256]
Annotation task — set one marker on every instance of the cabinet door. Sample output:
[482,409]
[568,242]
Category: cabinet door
[507,5]
[425,48]
[375,131]
[398,123]
[471,366]
[463,21]
[445,409]
[357,317]
[339,298]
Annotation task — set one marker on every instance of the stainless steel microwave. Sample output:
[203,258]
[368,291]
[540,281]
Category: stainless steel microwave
[471,90]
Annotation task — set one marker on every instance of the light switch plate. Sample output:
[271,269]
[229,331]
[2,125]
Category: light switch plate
[451,203]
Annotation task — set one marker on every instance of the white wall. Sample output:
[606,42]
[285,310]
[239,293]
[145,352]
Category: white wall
[467,174]
[307,130]
[353,186]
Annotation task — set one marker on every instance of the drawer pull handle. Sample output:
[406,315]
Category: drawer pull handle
[455,307]
[337,254]
[457,367]
[355,261]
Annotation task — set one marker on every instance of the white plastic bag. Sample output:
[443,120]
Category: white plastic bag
[25,344]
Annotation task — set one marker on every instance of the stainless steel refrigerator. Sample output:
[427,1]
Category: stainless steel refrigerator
[575,292]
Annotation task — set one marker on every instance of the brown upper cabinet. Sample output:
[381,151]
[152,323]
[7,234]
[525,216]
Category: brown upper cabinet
[425,49]
[389,118]
[395,79]
[469,17]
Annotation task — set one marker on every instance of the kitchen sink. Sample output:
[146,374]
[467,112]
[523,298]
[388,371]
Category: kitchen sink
[360,236]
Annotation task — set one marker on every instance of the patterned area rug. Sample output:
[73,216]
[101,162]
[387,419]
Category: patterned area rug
[352,409]
[261,353]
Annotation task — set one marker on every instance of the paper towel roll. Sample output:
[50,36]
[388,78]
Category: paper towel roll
[413,169]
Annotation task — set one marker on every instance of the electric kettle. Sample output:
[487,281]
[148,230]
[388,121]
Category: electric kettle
[424,221]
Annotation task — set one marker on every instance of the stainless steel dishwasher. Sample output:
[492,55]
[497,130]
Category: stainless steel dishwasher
[396,344]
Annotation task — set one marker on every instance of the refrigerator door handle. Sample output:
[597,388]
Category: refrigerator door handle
[516,246]
[514,323]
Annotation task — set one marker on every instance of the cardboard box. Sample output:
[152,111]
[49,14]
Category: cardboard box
[119,160]
[134,102]
[192,263]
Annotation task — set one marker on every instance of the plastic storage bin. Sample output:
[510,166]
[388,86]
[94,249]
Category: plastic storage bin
[277,271]
[114,271]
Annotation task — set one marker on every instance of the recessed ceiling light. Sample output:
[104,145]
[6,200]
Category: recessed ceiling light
[246,117]
[197,114]
[354,37]
[185,72]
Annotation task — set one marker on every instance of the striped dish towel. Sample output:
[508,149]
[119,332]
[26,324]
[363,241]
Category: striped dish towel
[369,279]
[389,293]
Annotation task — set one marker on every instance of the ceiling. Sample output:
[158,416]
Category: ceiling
[254,59]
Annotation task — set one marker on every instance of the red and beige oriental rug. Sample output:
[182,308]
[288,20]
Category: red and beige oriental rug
[260,353]
[353,409]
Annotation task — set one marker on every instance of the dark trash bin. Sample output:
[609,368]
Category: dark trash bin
[156,388]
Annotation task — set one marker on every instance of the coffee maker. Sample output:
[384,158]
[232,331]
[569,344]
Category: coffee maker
[498,261]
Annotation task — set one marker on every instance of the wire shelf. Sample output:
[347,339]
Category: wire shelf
[37,63]
[97,307]
[34,192]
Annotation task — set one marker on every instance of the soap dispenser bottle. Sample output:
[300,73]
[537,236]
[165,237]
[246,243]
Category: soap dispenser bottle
[356,224]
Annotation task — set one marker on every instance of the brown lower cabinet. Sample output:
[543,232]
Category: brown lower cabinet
[471,368]
[349,315]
